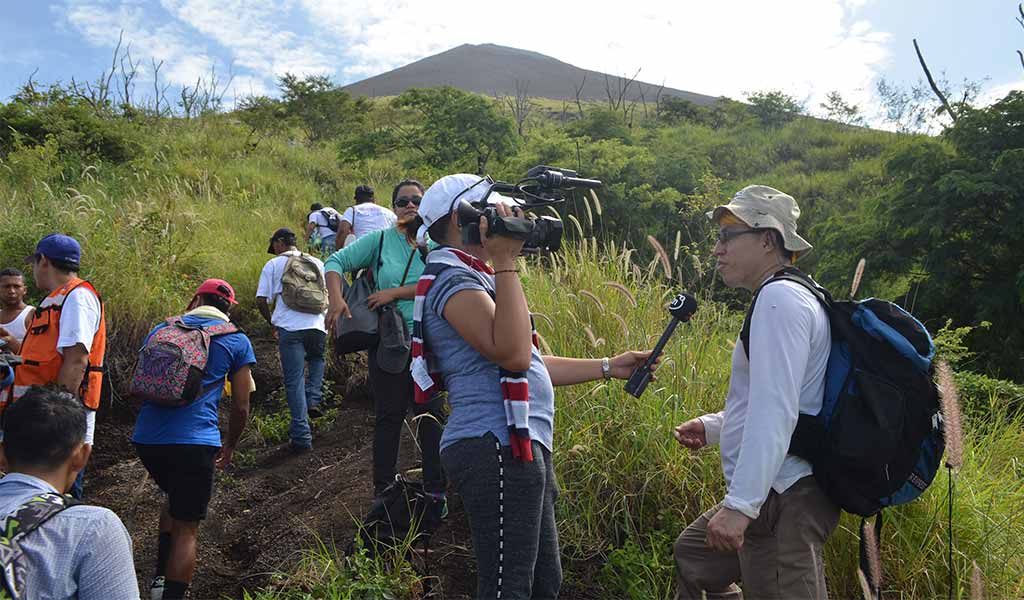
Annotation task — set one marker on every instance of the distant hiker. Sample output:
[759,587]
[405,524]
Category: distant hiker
[69,550]
[392,257]
[294,283]
[365,217]
[472,335]
[322,228]
[67,337]
[770,529]
[15,315]
[180,444]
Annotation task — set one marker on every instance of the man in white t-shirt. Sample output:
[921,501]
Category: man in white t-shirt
[319,233]
[301,336]
[67,338]
[770,529]
[366,216]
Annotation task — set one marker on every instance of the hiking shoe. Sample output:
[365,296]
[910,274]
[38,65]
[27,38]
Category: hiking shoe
[439,505]
[315,412]
[293,449]
[156,589]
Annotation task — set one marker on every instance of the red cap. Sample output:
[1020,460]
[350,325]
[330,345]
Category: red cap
[217,287]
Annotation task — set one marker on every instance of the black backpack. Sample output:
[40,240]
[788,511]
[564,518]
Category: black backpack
[402,513]
[878,440]
[333,219]
[29,516]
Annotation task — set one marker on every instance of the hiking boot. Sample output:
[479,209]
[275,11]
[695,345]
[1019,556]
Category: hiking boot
[293,449]
[156,589]
[315,412]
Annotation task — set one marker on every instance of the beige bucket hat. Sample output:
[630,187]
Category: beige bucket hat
[765,207]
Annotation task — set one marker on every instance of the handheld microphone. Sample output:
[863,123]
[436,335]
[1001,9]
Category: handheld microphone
[681,309]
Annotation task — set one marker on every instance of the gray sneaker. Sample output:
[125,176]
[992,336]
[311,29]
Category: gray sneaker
[156,589]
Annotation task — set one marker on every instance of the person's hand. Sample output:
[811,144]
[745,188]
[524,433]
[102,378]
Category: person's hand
[691,434]
[725,530]
[337,309]
[381,298]
[623,365]
[502,250]
[224,456]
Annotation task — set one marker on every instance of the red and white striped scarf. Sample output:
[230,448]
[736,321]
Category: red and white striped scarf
[428,378]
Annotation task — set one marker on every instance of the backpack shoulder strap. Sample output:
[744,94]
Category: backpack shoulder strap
[27,518]
[221,329]
[785,274]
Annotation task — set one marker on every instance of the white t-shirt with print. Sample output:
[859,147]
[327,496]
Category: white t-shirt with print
[270,288]
[320,220]
[368,217]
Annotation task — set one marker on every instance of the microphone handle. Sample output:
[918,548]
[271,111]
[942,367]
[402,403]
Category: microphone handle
[661,343]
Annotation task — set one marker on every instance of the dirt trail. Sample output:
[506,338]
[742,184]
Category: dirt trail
[265,512]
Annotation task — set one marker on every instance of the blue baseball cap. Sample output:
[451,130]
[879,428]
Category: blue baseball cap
[58,246]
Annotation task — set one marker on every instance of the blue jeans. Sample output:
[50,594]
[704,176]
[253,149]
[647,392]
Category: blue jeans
[327,245]
[299,350]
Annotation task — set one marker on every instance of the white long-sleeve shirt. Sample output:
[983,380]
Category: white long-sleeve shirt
[789,345]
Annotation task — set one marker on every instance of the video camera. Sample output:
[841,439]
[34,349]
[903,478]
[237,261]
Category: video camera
[542,186]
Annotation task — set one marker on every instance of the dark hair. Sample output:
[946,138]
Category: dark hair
[438,230]
[315,206]
[219,302]
[402,184]
[364,193]
[43,427]
[64,266]
[780,244]
[10,272]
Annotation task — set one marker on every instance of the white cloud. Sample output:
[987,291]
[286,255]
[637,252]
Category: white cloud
[997,92]
[805,47]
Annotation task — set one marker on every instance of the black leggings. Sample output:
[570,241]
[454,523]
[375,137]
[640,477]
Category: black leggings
[392,397]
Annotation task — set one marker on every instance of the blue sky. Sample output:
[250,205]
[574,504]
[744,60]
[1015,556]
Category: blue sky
[725,47]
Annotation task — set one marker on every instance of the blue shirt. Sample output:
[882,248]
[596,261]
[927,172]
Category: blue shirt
[196,423]
[83,552]
[474,391]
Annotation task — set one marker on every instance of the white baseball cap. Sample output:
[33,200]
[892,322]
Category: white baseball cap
[439,199]
[764,207]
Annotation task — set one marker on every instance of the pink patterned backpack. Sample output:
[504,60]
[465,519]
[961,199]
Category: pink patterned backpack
[172,364]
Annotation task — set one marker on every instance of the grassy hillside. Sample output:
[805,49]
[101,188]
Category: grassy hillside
[160,205]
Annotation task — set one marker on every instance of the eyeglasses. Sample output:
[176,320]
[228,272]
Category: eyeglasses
[403,201]
[724,235]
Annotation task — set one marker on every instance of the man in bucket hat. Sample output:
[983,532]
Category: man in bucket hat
[769,530]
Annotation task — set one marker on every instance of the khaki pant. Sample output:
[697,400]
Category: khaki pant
[780,558]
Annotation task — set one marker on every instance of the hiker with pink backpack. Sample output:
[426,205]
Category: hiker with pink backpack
[179,378]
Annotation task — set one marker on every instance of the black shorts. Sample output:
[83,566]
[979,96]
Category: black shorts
[185,473]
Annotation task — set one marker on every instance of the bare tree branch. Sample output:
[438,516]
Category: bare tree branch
[579,91]
[931,82]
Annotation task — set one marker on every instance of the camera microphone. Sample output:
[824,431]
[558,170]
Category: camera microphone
[682,308]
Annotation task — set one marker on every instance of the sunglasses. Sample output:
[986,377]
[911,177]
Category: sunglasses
[403,201]
[724,235]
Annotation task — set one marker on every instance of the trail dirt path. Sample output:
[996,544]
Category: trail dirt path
[266,512]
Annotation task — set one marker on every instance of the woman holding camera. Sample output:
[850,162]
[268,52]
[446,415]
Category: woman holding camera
[473,336]
[396,264]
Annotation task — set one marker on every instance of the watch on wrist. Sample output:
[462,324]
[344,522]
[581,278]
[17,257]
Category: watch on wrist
[606,369]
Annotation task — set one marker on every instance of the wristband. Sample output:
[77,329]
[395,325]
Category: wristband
[606,369]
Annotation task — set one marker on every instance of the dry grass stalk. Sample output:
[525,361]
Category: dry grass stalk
[579,228]
[857,275]
[666,264]
[977,584]
[544,318]
[594,299]
[679,243]
[622,323]
[952,423]
[865,589]
[874,560]
[622,290]
[597,203]
[590,216]
[594,340]
[544,345]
